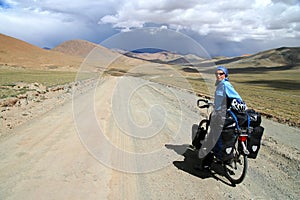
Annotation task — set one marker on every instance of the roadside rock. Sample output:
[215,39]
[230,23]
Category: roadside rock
[9,102]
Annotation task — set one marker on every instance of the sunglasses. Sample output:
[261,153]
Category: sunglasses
[219,74]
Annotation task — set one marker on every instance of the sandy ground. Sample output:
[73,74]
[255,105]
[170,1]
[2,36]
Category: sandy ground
[129,139]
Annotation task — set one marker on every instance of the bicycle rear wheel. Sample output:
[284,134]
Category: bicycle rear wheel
[236,171]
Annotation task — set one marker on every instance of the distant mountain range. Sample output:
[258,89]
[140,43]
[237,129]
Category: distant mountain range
[283,56]
[70,54]
[148,50]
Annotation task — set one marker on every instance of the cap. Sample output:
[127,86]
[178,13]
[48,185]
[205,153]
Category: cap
[224,69]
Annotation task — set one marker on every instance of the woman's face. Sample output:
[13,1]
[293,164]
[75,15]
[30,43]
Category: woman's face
[220,75]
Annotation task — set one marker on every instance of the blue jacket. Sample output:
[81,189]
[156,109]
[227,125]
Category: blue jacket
[224,94]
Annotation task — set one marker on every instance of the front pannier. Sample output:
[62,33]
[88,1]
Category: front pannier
[254,141]
[200,134]
[228,142]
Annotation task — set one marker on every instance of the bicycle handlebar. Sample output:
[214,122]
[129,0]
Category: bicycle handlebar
[206,105]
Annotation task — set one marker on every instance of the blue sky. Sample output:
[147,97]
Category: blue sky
[222,27]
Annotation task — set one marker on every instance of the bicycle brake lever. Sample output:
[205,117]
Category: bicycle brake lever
[204,106]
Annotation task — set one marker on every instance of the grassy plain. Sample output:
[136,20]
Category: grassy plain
[274,92]
[47,78]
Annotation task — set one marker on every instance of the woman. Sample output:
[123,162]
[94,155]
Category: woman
[225,92]
[226,97]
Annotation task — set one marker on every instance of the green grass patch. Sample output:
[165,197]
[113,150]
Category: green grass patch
[9,92]
[10,77]
[47,78]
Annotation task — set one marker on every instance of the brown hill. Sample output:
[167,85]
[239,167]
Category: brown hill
[97,57]
[166,57]
[17,53]
[68,56]
[284,56]
[160,57]
[79,48]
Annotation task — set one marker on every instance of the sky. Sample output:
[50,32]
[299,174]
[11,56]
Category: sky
[221,27]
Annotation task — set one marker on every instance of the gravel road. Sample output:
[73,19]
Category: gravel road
[129,138]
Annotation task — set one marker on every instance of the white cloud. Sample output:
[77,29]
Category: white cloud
[274,22]
[238,20]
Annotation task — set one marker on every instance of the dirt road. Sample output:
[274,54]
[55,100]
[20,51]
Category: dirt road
[129,139]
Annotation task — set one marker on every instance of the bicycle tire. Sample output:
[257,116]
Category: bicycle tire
[237,170]
[201,133]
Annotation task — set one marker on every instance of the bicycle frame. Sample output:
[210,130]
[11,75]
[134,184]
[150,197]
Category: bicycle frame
[242,138]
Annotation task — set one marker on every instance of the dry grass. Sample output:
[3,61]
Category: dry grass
[274,92]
